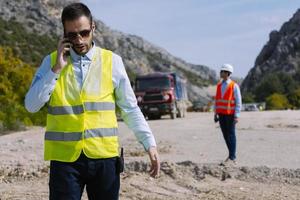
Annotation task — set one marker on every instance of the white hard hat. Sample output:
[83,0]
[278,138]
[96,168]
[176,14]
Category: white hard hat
[227,67]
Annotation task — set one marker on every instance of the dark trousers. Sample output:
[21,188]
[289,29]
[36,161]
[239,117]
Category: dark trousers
[227,125]
[67,180]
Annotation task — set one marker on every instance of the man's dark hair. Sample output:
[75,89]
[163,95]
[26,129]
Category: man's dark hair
[74,11]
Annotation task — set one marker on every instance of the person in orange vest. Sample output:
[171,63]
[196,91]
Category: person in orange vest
[83,85]
[228,103]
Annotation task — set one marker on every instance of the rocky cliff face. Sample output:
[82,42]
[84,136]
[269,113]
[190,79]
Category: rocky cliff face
[139,56]
[280,54]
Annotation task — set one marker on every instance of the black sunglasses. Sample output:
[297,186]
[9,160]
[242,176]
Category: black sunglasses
[83,34]
[223,71]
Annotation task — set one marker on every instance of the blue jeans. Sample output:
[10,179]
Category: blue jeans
[227,125]
[67,180]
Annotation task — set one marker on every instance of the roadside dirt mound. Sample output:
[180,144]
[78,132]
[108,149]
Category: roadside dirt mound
[268,161]
[188,180]
[182,180]
[20,173]
[199,172]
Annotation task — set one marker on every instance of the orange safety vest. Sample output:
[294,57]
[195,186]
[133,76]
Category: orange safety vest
[225,105]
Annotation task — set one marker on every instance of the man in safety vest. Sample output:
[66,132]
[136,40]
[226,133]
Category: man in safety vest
[228,103]
[83,85]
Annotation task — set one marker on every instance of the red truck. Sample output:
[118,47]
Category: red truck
[161,94]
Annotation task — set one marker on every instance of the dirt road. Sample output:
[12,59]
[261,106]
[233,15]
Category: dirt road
[190,150]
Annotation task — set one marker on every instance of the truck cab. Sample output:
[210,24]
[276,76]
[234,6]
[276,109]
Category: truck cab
[161,94]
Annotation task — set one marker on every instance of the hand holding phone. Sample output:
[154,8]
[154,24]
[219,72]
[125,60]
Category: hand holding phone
[63,51]
[68,46]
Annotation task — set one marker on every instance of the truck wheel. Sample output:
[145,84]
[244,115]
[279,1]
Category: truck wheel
[173,112]
[173,115]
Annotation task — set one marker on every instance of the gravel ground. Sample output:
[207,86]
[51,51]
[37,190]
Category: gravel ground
[190,150]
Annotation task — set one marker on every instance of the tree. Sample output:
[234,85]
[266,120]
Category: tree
[288,83]
[277,102]
[270,84]
[30,47]
[15,79]
[248,98]
[294,98]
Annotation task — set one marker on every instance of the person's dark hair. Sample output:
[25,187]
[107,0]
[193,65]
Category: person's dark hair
[74,11]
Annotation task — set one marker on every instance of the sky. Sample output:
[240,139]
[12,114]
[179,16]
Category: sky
[206,32]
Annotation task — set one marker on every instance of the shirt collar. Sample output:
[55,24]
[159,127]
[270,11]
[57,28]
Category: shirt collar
[88,55]
[227,81]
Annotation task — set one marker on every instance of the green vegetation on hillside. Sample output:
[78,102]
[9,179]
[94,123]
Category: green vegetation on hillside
[15,79]
[279,91]
[29,47]
[20,53]
[195,79]
[191,76]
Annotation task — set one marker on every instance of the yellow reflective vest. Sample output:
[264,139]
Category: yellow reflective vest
[82,119]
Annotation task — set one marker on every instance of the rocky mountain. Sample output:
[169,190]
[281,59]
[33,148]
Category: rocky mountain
[281,54]
[42,17]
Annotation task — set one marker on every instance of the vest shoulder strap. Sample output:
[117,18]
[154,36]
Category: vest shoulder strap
[53,56]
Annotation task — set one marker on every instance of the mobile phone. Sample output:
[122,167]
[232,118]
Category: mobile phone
[66,40]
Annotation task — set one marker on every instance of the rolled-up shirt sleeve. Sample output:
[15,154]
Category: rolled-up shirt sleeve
[41,87]
[126,102]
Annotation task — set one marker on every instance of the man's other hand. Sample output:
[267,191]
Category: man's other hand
[155,163]
[216,118]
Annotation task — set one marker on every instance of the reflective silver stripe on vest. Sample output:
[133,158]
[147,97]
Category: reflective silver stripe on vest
[76,136]
[89,106]
[225,107]
[65,110]
[225,101]
[62,136]
[101,132]
[94,106]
